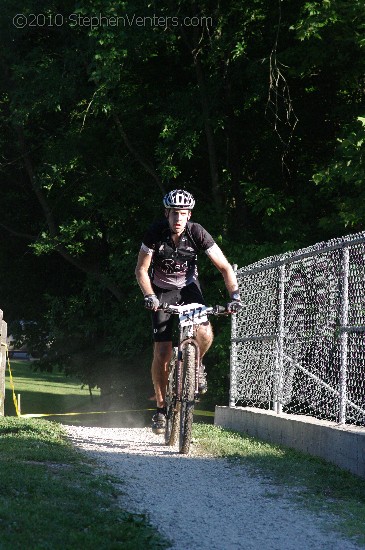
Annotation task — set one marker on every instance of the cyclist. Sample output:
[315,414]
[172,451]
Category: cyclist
[170,246]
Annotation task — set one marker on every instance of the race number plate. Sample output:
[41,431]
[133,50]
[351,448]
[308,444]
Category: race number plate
[193,313]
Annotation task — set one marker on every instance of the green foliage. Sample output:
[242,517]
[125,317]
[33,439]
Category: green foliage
[97,121]
[333,15]
[342,182]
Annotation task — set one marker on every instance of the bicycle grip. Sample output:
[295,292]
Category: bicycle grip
[218,310]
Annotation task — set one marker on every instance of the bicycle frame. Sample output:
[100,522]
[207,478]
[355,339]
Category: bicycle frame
[183,383]
[191,317]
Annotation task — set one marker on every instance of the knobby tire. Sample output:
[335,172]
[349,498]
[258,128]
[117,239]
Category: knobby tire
[172,406]
[187,402]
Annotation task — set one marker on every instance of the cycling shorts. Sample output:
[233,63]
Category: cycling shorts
[162,323]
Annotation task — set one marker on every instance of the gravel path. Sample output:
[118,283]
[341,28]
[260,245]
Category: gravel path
[220,506]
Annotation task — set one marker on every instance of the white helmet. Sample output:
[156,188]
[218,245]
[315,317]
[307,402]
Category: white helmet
[179,198]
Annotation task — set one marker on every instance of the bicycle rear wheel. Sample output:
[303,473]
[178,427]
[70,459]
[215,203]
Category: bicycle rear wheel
[187,402]
[172,406]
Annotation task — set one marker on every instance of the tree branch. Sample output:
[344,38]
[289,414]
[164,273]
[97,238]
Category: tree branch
[91,270]
[52,226]
[143,162]
[16,233]
[36,188]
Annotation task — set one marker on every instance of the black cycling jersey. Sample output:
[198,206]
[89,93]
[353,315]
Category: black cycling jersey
[175,266]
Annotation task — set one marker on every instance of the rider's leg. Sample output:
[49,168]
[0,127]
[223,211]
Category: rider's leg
[204,335]
[192,294]
[205,339]
[160,369]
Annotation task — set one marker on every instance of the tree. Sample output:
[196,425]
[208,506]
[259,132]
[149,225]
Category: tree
[243,108]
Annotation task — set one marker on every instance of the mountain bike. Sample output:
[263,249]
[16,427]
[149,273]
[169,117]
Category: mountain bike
[183,381]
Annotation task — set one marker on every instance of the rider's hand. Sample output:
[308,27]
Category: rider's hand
[151,301]
[235,305]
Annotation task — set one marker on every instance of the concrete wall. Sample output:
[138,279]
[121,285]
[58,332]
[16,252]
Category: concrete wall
[342,445]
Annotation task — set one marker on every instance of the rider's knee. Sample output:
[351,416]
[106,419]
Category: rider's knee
[205,332]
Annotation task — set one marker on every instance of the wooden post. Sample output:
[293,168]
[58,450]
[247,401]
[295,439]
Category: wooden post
[3,334]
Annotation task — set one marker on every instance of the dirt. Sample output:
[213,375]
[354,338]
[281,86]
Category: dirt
[204,502]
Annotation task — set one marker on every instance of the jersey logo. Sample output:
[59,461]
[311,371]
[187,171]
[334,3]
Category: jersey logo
[170,266]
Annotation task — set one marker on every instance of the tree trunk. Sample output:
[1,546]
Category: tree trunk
[238,218]
[213,163]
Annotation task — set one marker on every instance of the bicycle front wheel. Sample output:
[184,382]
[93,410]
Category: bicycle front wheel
[187,401]
[172,406]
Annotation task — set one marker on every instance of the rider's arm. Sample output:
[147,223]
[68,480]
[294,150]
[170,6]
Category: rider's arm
[223,265]
[143,279]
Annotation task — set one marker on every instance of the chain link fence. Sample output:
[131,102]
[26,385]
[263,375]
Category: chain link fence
[298,345]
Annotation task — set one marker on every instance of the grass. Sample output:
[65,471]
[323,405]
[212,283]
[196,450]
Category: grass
[51,494]
[64,399]
[318,485]
[52,497]
[45,392]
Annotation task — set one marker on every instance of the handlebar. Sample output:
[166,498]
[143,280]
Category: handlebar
[210,310]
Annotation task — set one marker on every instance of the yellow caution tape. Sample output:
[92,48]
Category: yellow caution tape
[35,415]
[40,415]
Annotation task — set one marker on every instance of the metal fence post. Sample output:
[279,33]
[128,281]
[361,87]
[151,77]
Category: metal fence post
[344,334]
[279,363]
[233,358]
